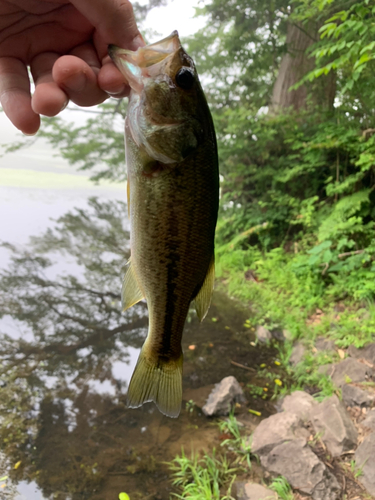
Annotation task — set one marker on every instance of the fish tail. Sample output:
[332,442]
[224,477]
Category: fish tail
[156,380]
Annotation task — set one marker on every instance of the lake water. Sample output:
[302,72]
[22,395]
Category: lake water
[68,428]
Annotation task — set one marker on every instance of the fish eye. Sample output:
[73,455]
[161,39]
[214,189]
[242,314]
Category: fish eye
[185,78]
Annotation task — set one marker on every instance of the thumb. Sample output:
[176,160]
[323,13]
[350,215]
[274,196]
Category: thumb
[113,20]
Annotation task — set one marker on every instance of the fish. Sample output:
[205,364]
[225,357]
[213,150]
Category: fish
[173,199]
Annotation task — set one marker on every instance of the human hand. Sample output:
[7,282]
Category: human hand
[65,45]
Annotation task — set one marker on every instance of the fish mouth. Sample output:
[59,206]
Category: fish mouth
[144,62]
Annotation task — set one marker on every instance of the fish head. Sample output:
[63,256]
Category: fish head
[166,101]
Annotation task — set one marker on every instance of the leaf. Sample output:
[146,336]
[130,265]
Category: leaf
[17,465]
[341,353]
[364,58]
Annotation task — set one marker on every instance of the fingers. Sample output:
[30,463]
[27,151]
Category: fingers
[78,80]
[114,21]
[111,80]
[48,99]
[15,95]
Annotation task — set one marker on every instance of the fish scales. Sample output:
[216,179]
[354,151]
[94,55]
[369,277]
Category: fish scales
[171,158]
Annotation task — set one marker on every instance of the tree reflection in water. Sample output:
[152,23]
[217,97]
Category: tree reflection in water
[72,334]
[64,367]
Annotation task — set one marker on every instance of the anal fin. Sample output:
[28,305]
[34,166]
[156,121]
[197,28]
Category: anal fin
[130,293]
[203,298]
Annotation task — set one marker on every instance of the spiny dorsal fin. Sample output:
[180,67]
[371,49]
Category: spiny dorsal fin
[131,293]
[203,298]
[157,381]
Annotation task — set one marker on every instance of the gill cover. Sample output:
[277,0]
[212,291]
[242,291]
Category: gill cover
[164,83]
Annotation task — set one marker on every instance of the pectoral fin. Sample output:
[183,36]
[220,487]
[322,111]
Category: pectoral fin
[131,293]
[203,298]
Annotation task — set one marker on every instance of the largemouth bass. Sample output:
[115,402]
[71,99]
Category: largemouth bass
[173,197]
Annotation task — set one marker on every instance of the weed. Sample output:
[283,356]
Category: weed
[281,486]
[238,443]
[355,470]
[190,405]
[202,478]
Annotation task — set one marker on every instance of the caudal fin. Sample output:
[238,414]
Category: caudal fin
[157,381]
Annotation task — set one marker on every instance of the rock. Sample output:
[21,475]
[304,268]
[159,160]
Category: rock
[365,460]
[223,396]
[278,335]
[353,352]
[331,420]
[199,395]
[299,403]
[367,353]
[298,353]
[354,396]
[253,491]
[323,344]
[349,370]
[287,335]
[369,421]
[276,429]
[303,470]
[327,369]
[262,334]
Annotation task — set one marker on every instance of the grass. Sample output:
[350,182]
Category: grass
[203,478]
[239,444]
[284,297]
[281,486]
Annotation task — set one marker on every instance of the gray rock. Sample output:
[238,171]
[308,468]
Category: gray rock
[354,396]
[304,471]
[365,460]
[287,335]
[276,429]
[223,396]
[323,344]
[327,369]
[331,420]
[367,352]
[253,491]
[299,403]
[349,370]
[262,334]
[353,352]
[298,353]
[369,421]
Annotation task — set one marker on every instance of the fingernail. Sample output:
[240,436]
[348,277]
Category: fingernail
[64,105]
[137,42]
[75,82]
[118,90]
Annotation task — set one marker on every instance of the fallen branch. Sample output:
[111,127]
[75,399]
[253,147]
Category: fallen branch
[346,254]
[243,366]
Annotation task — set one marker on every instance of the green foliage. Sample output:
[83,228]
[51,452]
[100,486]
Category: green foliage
[346,38]
[281,486]
[203,478]
[239,444]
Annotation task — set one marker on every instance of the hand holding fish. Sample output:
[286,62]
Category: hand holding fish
[64,43]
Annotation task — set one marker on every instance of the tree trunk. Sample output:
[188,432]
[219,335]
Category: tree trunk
[294,65]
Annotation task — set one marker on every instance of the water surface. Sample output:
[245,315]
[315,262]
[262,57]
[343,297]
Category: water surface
[68,352]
